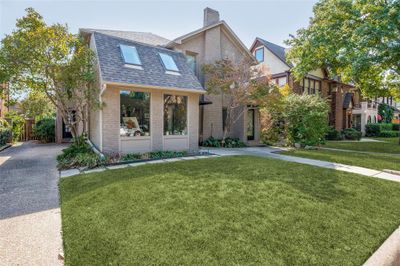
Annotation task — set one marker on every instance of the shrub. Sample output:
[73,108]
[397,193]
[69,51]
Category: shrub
[79,154]
[5,136]
[4,123]
[333,134]
[389,134]
[44,130]
[351,134]
[305,117]
[211,142]
[234,143]
[17,124]
[375,130]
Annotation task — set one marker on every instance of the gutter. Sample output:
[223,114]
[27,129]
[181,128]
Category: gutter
[101,155]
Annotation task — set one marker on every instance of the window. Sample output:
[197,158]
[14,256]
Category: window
[135,114]
[310,86]
[191,61]
[168,62]
[260,54]
[224,115]
[175,115]
[130,55]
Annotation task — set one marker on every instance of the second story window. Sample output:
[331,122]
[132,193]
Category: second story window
[191,61]
[260,54]
[130,55]
[168,62]
[310,86]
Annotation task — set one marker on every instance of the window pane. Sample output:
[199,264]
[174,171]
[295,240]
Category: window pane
[282,82]
[168,62]
[130,55]
[135,113]
[175,115]
[260,54]
[191,61]
[317,86]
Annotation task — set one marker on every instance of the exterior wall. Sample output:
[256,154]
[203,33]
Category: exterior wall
[210,46]
[365,111]
[114,143]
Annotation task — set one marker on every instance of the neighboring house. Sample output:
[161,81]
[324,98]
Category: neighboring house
[344,99]
[153,90]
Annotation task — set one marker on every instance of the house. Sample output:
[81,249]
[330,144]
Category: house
[153,91]
[347,107]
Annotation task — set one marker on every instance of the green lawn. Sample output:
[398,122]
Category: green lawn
[388,145]
[373,161]
[229,211]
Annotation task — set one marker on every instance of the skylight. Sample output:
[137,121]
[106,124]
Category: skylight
[130,54]
[168,62]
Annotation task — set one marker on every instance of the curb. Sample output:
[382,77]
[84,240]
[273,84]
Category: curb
[388,254]
[5,147]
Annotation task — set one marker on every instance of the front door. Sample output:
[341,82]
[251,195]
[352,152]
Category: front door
[66,130]
[250,124]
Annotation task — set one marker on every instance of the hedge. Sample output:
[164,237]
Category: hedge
[389,134]
[351,134]
[381,130]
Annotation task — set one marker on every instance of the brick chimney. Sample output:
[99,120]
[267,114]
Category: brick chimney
[211,16]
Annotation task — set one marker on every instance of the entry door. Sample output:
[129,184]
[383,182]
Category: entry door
[67,134]
[250,124]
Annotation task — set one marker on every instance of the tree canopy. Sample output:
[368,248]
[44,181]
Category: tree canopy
[355,39]
[43,59]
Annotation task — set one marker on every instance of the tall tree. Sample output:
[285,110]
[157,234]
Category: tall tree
[48,59]
[238,84]
[356,39]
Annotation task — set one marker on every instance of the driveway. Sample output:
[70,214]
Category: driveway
[30,221]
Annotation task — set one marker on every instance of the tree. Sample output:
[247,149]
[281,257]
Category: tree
[37,105]
[238,85]
[386,113]
[355,39]
[49,60]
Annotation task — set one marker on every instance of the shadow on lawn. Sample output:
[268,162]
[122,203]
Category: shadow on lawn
[317,183]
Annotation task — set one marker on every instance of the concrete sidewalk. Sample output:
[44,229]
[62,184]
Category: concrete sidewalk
[271,152]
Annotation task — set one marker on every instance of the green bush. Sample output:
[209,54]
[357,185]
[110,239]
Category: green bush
[389,134]
[351,134]
[233,143]
[153,155]
[333,134]
[305,117]
[17,124]
[79,154]
[377,129]
[44,130]
[211,142]
[5,136]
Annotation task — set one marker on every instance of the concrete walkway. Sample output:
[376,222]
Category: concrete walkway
[271,152]
[30,221]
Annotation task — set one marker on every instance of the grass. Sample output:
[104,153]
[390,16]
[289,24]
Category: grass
[373,161]
[387,145]
[229,211]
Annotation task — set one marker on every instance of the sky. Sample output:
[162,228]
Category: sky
[272,20]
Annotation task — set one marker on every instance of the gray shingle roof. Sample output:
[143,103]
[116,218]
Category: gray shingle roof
[143,37]
[113,69]
[277,50]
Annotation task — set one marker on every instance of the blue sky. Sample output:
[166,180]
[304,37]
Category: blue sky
[271,20]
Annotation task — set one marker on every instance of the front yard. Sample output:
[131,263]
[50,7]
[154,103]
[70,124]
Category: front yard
[230,210]
[385,154]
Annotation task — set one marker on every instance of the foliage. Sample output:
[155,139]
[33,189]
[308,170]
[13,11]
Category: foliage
[37,106]
[227,143]
[357,40]
[351,134]
[4,123]
[305,118]
[48,60]
[333,134]
[386,112]
[78,154]
[17,124]
[238,85]
[5,135]
[222,211]
[381,130]
[44,129]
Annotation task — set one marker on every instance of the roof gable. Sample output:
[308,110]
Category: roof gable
[153,73]
[278,51]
